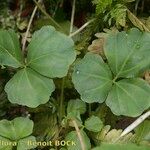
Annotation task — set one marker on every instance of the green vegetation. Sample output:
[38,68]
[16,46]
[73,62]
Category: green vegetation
[75,75]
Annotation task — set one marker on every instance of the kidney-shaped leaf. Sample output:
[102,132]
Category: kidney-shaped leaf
[5,144]
[128,53]
[10,52]
[27,143]
[129,97]
[94,124]
[16,129]
[29,88]
[92,78]
[50,52]
[121,147]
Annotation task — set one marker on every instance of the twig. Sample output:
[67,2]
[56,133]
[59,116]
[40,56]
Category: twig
[61,113]
[72,16]
[79,134]
[135,123]
[56,7]
[46,14]
[63,80]
[81,28]
[136,6]
[28,28]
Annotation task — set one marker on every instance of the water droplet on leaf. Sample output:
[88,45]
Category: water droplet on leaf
[77,72]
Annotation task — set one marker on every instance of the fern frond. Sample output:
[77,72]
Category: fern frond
[101,5]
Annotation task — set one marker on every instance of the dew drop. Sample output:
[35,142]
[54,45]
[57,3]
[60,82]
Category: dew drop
[77,72]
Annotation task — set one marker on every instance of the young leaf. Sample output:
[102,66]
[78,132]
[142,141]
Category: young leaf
[16,129]
[76,106]
[129,97]
[128,53]
[120,147]
[119,14]
[50,52]
[92,78]
[72,136]
[29,88]
[26,143]
[10,52]
[94,124]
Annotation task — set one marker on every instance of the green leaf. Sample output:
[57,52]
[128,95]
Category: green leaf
[94,124]
[16,129]
[143,131]
[10,52]
[74,116]
[129,97]
[50,52]
[128,53]
[74,110]
[76,106]
[92,78]
[101,5]
[72,136]
[5,144]
[29,88]
[119,14]
[27,143]
[110,136]
[121,147]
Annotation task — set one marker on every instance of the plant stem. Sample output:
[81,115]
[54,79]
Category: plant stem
[81,28]
[47,15]
[63,80]
[28,28]
[79,134]
[135,123]
[61,110]
[56,8]
[72,16]
[90,109]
